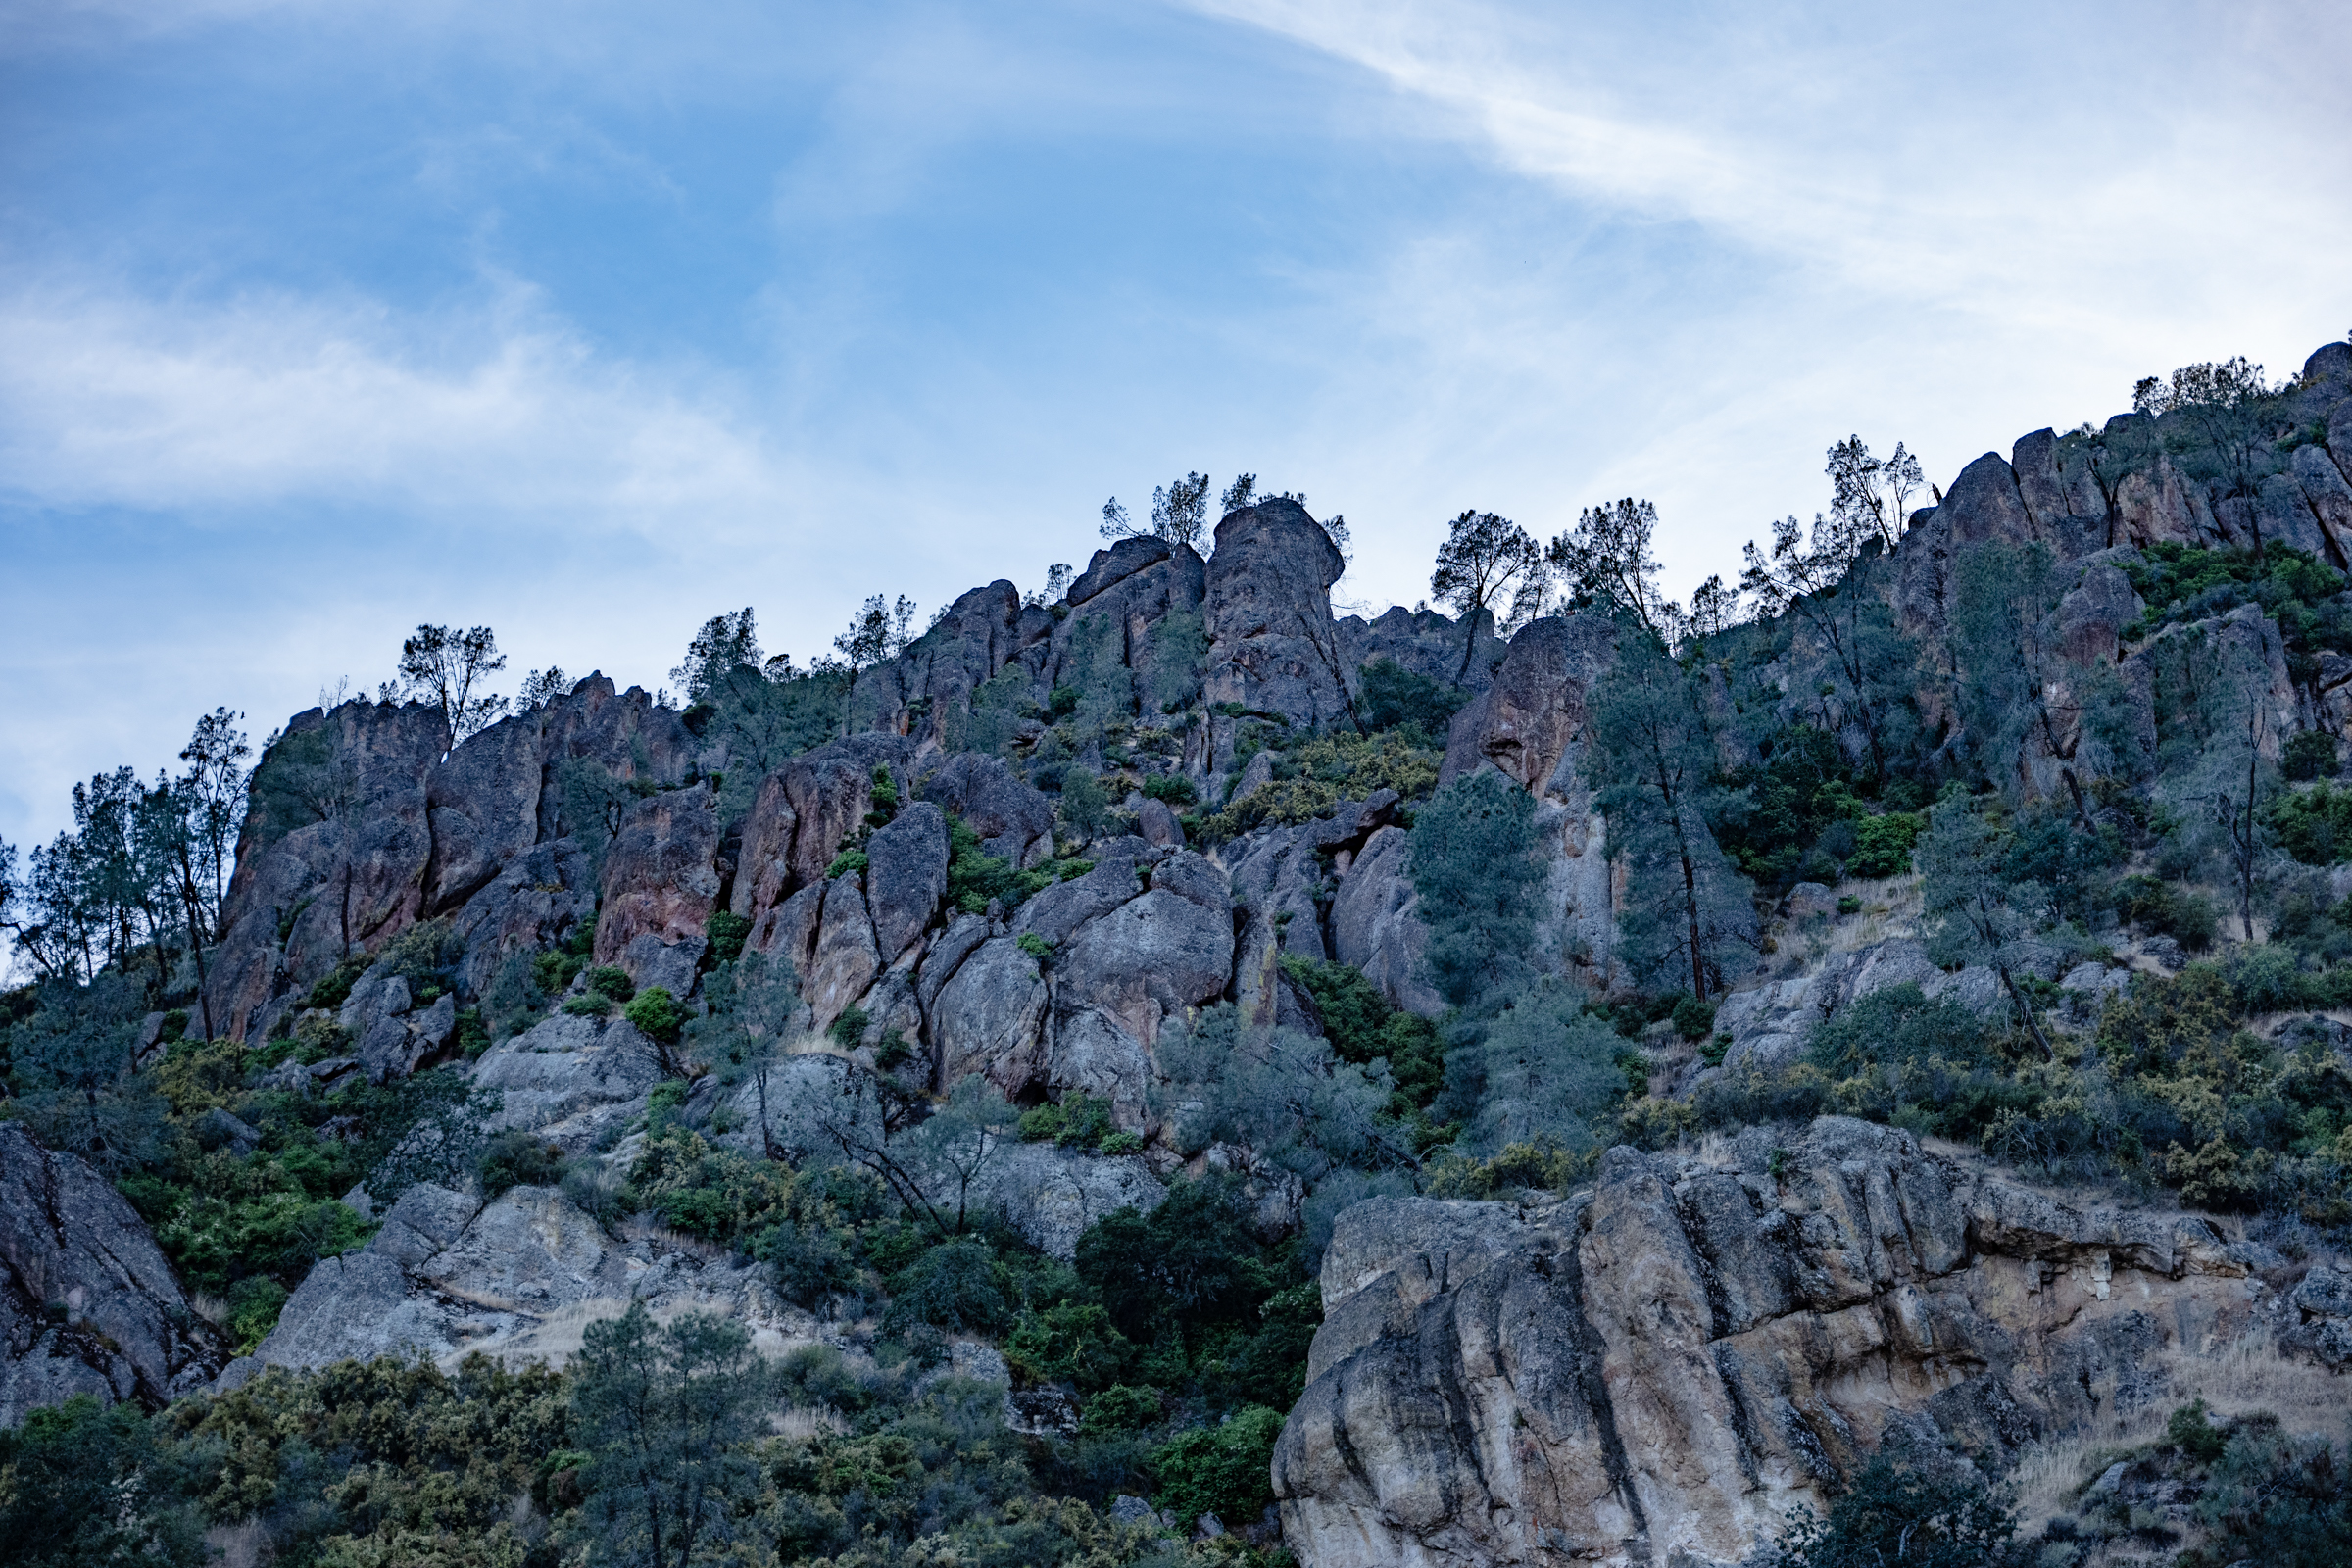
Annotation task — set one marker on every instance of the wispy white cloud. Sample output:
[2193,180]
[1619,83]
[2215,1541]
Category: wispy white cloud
[112,398]
[2043,166]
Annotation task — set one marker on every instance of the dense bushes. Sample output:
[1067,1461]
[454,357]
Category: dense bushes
[1317,772]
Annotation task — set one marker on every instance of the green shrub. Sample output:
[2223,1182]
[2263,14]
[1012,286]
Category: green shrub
[1393,697]
[1173,790]
[1883,845]
[518,1160]
[1226,1470]
[588,1005]
[727,933]
[2314,825]
[2187,918]
[254,1303]
[975,877]
[1363,1027]
[2193,1435]
[1085,803]
[848,1030]
[1037,947]
[1891,1513]
[1323,771]
[2310,754]
[847,862]
[655,1014]
[1693,1019]
[1119,1408]
[333,987]
[612,981]
[1069,1341]
[952,1286]
[1121,1144]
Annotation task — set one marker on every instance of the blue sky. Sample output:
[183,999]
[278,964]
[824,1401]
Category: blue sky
[590,320]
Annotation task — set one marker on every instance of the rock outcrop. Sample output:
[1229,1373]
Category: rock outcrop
[359,828]
[87,1302]
[1273,646]
[1658,1370]
[1530,725]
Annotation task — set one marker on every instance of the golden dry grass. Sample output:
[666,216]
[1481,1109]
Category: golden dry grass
[2246,1378]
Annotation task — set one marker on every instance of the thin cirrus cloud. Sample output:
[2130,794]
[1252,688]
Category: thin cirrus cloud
[111,400]
[1998,161]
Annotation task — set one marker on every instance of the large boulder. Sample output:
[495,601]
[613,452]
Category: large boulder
[920,693]
[1530,725]
[661,886]
[569,1081]
[1273,647]
[87,1302]
[907,875]
[1124,597]
[1661,1369]
[1014,820]
[805,813]
[1376,925]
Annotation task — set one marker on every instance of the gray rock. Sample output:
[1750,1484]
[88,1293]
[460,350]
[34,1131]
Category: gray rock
[661,881]
[1135,1511]
[1051,1194]
[1158,825]
[1531,722]
[569,1080]
[1119,979]
[1256,774]
[434,838]
[2165,952]
[1809,900]
[923,690]
[1015,821]
[990,1019]
[802,815]
[1426,643]
[1376,927]
[1976,988]
[845,961]
[87,1302]
[423,1222]
[218,1129]
[670,965]
[1718,1343]
[1273,647]
[906,876]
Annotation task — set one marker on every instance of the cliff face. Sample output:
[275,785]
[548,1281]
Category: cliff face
[1657,1371]
[87,1304]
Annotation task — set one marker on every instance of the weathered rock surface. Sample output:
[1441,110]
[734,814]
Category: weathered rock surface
[1273,646]
[573,1081]
[1658,1370]
[1529,725]
[1426,643]
[359,828]
[518,1278]
[661,886]
[1015,821]
[1375,926]
[802,815]
[87,1302]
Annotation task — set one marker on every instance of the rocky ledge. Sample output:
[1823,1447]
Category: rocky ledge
[1658,1370]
